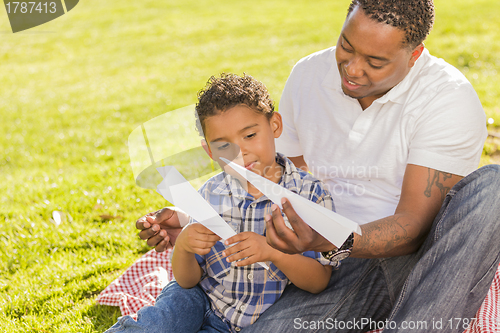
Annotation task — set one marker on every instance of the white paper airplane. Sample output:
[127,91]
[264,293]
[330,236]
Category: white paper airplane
[179,192]
[334,227]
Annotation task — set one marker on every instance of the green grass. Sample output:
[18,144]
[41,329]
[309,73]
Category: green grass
[73,89]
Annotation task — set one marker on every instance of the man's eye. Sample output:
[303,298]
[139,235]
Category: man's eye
[344,48]
[375,67]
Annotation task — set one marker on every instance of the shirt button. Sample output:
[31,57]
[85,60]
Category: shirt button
[250,276]
[243,307]
[237,329]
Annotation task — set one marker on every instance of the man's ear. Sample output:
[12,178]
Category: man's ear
[276,124]
[415,54]
[206,147]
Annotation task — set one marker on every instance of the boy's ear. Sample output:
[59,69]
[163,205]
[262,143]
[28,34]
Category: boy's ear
[276,124]
[206,147]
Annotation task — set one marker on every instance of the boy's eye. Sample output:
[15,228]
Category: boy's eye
[250,135]
[223,146]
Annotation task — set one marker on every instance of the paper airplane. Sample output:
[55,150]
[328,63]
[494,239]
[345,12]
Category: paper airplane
[178,191]
[334,227]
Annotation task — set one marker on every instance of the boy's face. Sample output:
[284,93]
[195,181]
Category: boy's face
[245,137]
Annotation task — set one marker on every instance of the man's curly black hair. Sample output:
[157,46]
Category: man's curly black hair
[414,17]
[221,94]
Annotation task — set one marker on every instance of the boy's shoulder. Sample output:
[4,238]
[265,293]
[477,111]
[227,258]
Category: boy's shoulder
[305,184]
[213,183]
[296,179]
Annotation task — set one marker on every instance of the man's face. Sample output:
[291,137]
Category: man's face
[371,57]
[245,137]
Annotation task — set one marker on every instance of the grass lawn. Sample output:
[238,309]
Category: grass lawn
[72,91]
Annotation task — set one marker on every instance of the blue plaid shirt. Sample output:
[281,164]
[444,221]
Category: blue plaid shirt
[240,294]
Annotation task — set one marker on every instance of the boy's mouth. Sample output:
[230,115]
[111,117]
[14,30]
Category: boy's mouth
[249,166]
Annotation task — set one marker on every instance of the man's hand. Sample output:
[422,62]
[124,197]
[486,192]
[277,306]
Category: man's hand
[251,247]
[197,239]
[302,238]
[160,229]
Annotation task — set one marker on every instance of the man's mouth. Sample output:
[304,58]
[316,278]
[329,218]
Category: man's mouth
[350,85]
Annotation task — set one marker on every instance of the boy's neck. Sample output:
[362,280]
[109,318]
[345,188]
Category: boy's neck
[274,174]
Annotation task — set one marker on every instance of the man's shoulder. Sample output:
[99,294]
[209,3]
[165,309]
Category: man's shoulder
[322,57]
[433,83]
[316,63]
[437,73]
[310,71]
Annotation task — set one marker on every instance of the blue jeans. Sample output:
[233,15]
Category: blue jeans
[177,310]
[436,289]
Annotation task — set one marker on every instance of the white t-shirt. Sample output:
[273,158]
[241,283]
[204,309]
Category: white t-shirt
[432,118]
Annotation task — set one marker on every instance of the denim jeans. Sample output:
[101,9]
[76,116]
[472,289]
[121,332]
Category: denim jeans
[177,310]
[437,289]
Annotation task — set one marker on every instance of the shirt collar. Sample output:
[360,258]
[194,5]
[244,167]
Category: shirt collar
[399,92]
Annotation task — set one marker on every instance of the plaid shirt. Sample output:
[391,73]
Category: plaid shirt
[240,294]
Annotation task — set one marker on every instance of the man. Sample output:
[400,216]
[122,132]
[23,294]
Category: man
[392,131]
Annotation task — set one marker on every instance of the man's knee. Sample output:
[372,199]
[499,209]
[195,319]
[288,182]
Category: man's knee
[483,184]
[491,171]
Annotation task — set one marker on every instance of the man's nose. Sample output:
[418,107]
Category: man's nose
[353,67]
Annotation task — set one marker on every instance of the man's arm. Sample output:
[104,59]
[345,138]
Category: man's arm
[422,196]
[423,192]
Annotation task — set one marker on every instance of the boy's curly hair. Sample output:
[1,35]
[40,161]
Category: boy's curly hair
[414,17]
[221,94]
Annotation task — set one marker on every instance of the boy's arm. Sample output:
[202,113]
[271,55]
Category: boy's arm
[194,239]
[187,271]
[306,273]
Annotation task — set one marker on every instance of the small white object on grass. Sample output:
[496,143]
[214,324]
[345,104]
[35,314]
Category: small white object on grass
[58,218]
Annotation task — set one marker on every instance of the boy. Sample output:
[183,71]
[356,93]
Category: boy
[219,288]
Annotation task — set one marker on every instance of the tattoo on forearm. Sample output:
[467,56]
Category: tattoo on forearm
[393,234]
[438,179]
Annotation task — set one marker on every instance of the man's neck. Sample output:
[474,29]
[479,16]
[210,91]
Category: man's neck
[365,102]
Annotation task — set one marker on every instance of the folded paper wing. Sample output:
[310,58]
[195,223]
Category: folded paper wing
[334,227]
[179,192]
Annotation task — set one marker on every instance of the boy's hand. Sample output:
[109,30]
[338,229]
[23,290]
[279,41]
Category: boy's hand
[196,238]
[251,246]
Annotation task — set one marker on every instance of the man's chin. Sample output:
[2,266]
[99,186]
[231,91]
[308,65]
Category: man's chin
[352,94]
